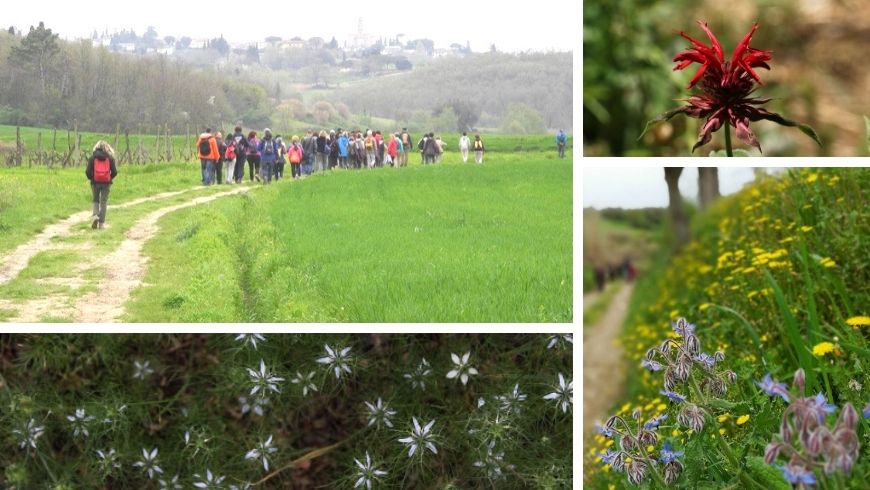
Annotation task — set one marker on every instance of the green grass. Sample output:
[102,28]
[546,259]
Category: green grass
[64,141]
[592,314]
[443,243]
[31,198]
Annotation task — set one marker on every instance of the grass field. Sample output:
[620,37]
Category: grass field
[450,242]
[444,243]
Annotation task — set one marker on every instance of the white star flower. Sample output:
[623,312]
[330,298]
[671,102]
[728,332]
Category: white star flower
[380,413]
[491,462]
[149,463]
[250,338]
[560,340]
[461,369]
[421,437]
[337,359]
[256,405]
[142,370]
[305,381]
[263,380]
[563,394]
[367,473]
[510,403]
[209,482]
[172,484]
[80,422]
[262,452]
[108,460]
[418,376]
[28,434]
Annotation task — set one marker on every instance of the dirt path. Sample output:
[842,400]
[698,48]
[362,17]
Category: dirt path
[128,266]
[603,366]
[16,261]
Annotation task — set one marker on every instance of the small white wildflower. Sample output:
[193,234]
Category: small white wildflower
[420,437]
[491,463]
[367,473]
[250,338]
[380,413]
[28,434]
[80,422]
[263,380]
[108,460]
[337,359]
[256,405]
[305,381]
[142,370]
[560,340]
[855,385]
[510,403]
[149,463]
[172,484]
[480,402]
[563,394]
[209,482]
[418,376]
[262,452]
[462,368]
[242,486]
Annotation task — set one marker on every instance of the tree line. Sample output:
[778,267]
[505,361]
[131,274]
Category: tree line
[45,81]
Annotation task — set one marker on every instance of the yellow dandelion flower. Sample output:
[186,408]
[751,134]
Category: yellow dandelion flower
[608,443]
[661,407]
[722,431]
[828,262]
[856,321]
[650,448]
[752,294]
[806,229]
[812,178]
[823,348]
[611,486]
[598,460]
[742,419]
[704,306]
[723,418]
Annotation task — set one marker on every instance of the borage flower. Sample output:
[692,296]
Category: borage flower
[726,87]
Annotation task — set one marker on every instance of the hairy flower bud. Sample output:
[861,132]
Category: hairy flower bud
[636,414]
[719,356]
[817,438]
[672,471]
[772,451]
[611,422]
[848,417]
[651,353]
[665,348]
[618,463]
[628,443]
[785,429]
[691,416]
[718,387]
[731,376]
[693,345]
[647,438]
[800,380]
[683,368]
[670,379]
[637,471]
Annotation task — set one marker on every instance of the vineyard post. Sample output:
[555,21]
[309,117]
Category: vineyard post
[117,135]
[38,148]
[19,146]
[78,140]
[157,145]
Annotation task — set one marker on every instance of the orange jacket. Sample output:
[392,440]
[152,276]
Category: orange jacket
[212,144]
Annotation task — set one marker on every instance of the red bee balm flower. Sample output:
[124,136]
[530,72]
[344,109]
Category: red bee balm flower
[725,89]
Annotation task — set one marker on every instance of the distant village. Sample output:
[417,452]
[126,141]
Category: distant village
[362,52]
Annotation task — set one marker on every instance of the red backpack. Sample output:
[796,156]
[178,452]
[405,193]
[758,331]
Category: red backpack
[102,170]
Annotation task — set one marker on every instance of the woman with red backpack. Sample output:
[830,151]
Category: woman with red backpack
[296,155]
[101,171]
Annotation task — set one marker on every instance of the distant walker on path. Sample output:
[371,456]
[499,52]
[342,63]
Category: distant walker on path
[101,171]
[561,141]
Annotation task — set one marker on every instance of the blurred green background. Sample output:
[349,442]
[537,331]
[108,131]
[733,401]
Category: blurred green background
[819,73]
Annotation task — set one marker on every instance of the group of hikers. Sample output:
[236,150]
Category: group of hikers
[625,270]
[223,159]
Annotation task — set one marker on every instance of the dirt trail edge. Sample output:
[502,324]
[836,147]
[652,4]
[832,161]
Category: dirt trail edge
[128,266]
[603,363]
[16,261]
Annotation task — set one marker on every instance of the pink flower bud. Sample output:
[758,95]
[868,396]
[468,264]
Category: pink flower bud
[800,380]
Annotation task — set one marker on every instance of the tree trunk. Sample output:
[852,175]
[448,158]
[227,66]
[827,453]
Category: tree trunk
[679,219]
[708,186]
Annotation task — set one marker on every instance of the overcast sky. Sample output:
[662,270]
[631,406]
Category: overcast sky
[640,187]
[551,25]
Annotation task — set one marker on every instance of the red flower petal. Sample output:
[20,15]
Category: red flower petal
[715,42]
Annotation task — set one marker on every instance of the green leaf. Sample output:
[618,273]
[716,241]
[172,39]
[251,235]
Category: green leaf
[753,334]
[790,325]
[809,131]
[661,117]
[721,404]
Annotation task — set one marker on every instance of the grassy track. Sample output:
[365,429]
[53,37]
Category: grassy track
[444,243]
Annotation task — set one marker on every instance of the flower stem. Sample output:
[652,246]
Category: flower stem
[728,151]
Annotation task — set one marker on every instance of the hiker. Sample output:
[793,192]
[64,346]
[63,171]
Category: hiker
[333,150]
[400,151]
[380,149]
[440,149]
[321,147]
[561,140]
[478,149]
[421,145]
[281,160]
[253,156]
[309,145]
[342,145]
[222,152]
[207,151]
[599,278]
[406,145]
[241,144]
[464,145]
[296,155]
[268,149]
[101,171]
[360,151]
[431,149]
[392,152]
[370,148]
[230,157]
